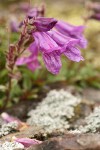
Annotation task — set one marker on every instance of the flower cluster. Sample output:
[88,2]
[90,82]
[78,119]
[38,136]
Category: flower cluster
[52,38]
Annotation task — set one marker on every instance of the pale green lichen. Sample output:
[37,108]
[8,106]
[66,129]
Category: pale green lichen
[8,128]
[92,122]
[55,111]
[11,146]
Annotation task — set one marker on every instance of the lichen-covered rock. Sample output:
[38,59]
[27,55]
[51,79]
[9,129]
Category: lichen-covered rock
[8,128]
[55,111]
[92,122]
[11,146]
[87,141]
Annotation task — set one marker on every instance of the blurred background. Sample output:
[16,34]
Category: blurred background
[82,75]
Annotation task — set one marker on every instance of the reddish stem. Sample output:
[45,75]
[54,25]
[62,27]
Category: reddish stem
[18,49]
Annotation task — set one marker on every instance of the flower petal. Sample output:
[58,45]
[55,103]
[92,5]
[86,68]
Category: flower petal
[46,43]
[8,118]
[68,29]
[52,62]
[31,61]
[72,31]
[62,40]
[34,64]
[44,24]
[73,54]
[27,142]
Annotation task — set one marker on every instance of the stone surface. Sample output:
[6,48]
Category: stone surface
[29,132]
[71,142]
[92,122]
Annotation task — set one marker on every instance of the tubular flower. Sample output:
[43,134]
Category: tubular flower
[45,42]
[72,31]
[32,61]
[43,24]
[50,51]
[69,46]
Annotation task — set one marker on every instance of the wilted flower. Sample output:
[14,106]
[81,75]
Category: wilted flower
[7,118]
[27,142]
[10,119]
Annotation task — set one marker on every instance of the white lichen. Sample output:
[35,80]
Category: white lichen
[8,128]
[76,131]
[92,122]
[11,146]
[55,111]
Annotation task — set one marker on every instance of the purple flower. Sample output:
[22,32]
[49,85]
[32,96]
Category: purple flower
[72,31]
[45,42]
[7,118]
[50,51]
[25,6]
[27,142]
[52,62]
[36,12]
[43,24]
[95,16]
[33,12]
[14,26]
[31,61]
[69,46]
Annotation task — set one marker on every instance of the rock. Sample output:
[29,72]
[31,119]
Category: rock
[29,132]
[92,122]
[91,94]
[71,142]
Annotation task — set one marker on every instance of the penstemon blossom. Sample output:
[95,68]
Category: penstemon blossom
[52,38]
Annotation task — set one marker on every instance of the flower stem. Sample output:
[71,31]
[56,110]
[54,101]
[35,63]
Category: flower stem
[12,55]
